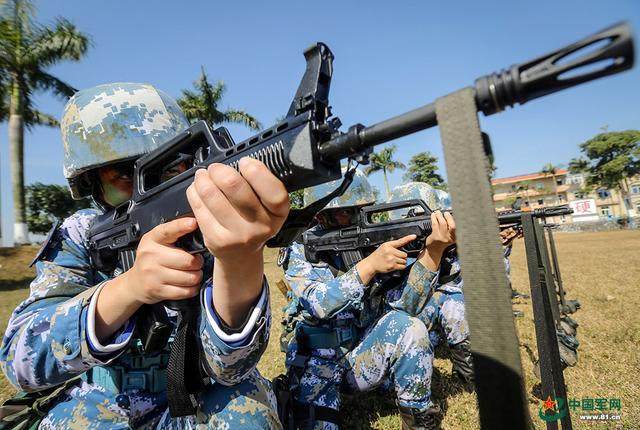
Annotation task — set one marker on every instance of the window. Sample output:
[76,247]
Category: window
[635,189]
[579,195]
[603,193]
[526,204]
[560,198]
[559,181]
[513,187]
[540,201]
[539,185]
[605,211]
[638,206]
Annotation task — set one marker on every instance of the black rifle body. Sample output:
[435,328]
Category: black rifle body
[355,242]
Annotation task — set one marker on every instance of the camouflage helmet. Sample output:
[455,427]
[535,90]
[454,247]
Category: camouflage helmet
[359,193]
[114,122]
[413,191]
[443,199]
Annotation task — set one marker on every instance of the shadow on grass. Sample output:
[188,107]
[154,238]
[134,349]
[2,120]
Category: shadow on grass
[15,284]
[360,410]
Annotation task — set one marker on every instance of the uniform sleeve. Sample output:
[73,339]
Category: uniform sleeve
[45,342]
[320,293]
[416,291]
[230,356]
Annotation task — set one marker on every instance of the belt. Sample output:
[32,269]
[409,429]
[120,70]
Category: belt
[145,374]
[321,337]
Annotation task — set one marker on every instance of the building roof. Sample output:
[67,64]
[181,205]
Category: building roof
[527,177]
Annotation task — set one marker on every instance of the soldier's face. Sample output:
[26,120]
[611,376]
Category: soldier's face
[117,183]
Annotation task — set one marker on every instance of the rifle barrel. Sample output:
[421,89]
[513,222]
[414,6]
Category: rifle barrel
[497,91]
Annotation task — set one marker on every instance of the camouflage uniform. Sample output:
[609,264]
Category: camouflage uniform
[50,336]
[444,314]
[49,341]
[346,336]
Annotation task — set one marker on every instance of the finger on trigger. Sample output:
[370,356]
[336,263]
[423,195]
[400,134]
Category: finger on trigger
[398,243]
[168,232]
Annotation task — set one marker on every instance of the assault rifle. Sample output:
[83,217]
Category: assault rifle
[355,242]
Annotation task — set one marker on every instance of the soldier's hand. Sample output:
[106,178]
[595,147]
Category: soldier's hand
[443,235]
[443,231]
[161,270]
[508,235]
[238,211]
[388,257]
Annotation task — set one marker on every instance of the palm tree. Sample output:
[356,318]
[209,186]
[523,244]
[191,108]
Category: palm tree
[27,50]
[383,161]
[551,169]
[524,188]
[202,104]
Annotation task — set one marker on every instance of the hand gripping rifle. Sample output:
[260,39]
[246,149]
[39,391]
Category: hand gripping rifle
[357,241]
[306,148]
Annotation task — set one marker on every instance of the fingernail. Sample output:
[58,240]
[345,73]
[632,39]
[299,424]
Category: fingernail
[200,171]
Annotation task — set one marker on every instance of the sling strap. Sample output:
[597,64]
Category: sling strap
[501,398]
[184,373]
[299,220]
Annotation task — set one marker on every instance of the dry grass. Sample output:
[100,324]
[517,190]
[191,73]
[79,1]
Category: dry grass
[602,270]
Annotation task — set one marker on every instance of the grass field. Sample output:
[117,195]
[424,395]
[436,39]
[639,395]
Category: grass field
[602,270]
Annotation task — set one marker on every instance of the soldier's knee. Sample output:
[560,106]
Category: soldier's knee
[250,404]
[412,332]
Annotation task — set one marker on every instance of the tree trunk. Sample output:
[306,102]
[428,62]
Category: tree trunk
[16,149]
[386,183]
[623,190]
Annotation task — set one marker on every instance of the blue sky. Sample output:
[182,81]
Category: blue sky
[390,57]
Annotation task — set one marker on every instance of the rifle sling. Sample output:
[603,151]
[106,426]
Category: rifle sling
[184,375]
[494,345]
[299,220]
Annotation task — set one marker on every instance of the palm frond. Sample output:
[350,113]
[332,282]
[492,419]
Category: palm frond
[372,168]
[40,80]
[241,117]
[49,46]
[35,117]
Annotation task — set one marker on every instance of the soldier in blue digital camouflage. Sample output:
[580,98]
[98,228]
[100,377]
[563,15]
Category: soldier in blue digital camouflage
[348,331]
[444,313]
[79,322]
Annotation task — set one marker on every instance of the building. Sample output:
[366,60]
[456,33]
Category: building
[538,190]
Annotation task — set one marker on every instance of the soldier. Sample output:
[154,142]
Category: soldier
[344,336]
[79,321]
[507,236]
[444,313]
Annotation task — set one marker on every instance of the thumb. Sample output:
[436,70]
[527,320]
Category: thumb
[399,243]
[171,231]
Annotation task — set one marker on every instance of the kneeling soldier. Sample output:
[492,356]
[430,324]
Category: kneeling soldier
[78,321]
[345,336]
[444,313]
